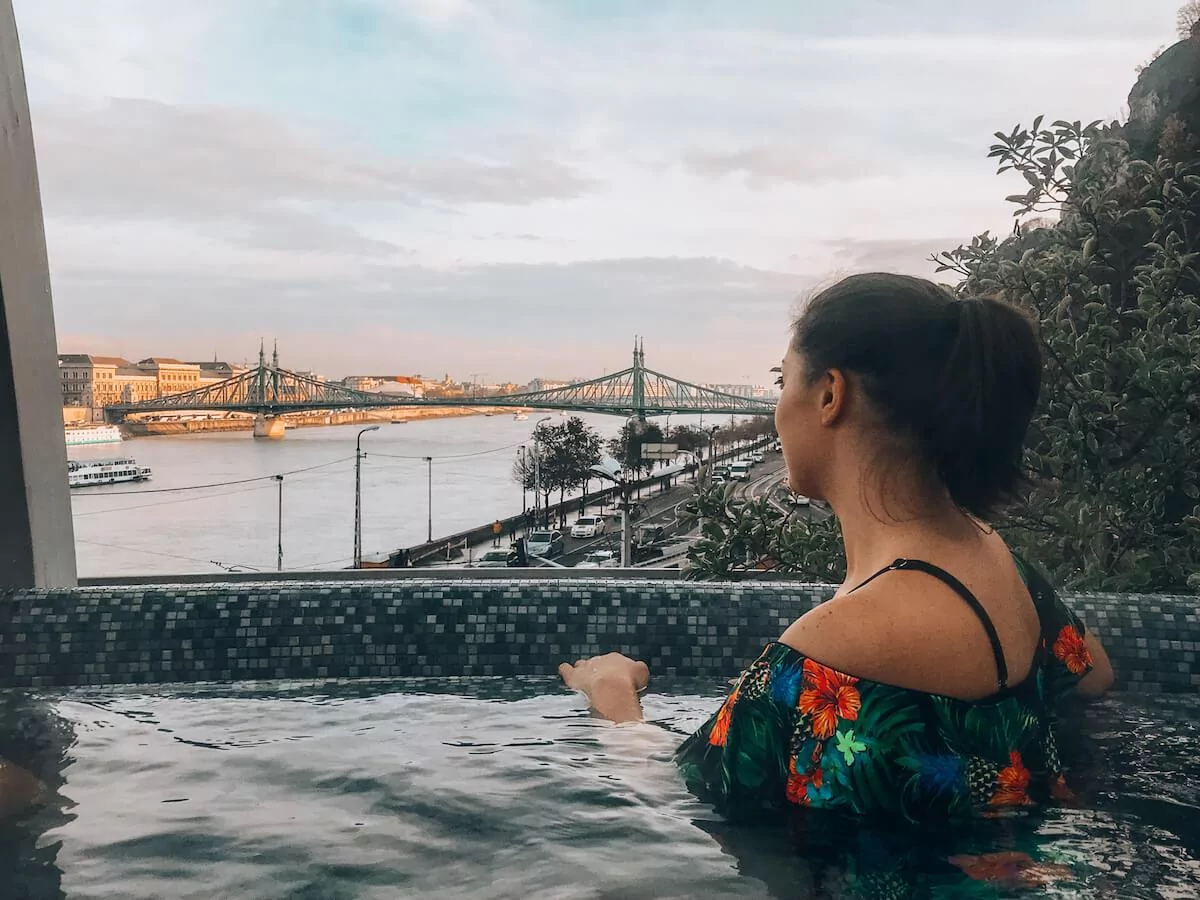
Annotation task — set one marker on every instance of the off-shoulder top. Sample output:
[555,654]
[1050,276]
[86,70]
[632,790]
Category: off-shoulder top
[796,733]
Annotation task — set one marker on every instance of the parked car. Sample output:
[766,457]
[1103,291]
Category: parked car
[588,527]
[494,559]
[636,511]
[546,544]
[600,559]
[648,534]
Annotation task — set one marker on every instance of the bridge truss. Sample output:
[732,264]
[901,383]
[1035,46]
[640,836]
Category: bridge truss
[269,390]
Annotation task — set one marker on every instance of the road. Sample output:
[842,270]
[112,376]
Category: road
[663,508]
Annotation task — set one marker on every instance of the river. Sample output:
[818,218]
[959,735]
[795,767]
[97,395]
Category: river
[134,529]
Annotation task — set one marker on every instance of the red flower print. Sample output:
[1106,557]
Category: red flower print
[1072,651]
[798,782]
[827,696]
[1012,782]
[720,729]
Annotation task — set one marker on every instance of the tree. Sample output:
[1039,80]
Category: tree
[760,535]
[564,453]
[626,447]
[1114,446]
[1188,21]
[1114,449]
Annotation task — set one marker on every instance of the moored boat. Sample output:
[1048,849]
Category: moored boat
[91,472]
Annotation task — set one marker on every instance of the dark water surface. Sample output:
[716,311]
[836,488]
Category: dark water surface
[485,788]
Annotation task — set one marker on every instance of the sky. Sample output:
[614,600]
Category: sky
[511,188]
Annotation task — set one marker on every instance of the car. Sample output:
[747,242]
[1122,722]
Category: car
[721,471]
[588,527]
[494,559]
[719,481]
[600,559]
[740,470]
[799,500]
[636,511]
[545,544]
[757,456]
[649,534]
[777,447]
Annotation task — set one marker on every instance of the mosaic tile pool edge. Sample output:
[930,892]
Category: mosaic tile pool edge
[451,627]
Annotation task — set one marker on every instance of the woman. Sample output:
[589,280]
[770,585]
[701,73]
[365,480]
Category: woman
[925,689]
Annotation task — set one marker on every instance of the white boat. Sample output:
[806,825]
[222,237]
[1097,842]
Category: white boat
[89,472]
[78,436]
[520,417]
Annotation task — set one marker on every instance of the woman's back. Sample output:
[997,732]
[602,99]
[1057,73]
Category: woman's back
[798,731]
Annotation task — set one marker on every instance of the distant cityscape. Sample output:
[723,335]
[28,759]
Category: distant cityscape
[90,382]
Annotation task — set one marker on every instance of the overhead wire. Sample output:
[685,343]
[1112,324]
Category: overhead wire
[211,562]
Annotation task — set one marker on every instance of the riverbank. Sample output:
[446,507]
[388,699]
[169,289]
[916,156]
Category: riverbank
[397,414]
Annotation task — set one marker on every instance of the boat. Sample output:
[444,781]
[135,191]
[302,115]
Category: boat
[90,472]
[520,417]
[81,435]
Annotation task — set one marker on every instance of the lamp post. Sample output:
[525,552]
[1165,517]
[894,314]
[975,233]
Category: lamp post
[279,529]
[429,462]
[617,478]
[524,503]
[537,474]
[358,496]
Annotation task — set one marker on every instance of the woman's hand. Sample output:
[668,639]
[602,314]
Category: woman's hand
[611,683]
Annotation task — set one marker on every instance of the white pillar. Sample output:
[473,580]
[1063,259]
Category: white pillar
[37,541]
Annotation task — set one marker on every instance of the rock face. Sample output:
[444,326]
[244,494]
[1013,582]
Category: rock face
[1168,87]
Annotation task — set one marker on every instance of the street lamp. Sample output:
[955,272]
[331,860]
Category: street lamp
[524,503]
[617,477]
[429,462]
[279,528]
[358,496]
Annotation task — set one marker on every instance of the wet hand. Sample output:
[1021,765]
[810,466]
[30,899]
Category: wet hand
[611,683]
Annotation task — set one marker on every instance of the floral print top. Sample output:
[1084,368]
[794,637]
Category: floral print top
[796,733]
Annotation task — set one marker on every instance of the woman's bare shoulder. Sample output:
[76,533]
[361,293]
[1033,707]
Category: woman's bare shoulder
[907,630]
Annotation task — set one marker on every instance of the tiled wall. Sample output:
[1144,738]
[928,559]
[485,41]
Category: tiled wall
[453,627]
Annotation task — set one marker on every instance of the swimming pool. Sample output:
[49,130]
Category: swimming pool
[506,788]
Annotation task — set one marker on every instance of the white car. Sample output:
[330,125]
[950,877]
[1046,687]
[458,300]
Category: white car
[588,527]
[757,456]
[740,470]
[601,559]
[800,500]
[493,559]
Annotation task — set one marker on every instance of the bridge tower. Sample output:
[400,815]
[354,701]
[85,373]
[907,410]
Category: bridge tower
[638,379]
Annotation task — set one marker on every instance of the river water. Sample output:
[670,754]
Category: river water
[134,529]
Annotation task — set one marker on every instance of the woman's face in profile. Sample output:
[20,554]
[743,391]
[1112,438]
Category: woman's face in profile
[796,422]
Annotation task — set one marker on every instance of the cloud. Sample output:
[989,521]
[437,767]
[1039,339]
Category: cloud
[151,159]
[520,320]
[909,256]
[438,181]
[765,165]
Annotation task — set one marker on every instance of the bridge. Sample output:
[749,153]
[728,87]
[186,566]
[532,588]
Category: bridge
[269,391]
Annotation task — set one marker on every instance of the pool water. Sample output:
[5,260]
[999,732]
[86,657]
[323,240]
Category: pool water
[486,788]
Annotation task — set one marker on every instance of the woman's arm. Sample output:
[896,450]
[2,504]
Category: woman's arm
[1100,679]
[611,683]
[19,789]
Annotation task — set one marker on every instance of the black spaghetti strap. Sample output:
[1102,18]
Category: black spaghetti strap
[961,589]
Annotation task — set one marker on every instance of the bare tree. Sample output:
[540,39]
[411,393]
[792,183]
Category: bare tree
[1188,20]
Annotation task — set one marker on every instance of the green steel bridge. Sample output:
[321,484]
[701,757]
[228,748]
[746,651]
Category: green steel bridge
[270,391]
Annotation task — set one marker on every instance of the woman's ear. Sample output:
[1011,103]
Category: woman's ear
[834,396]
